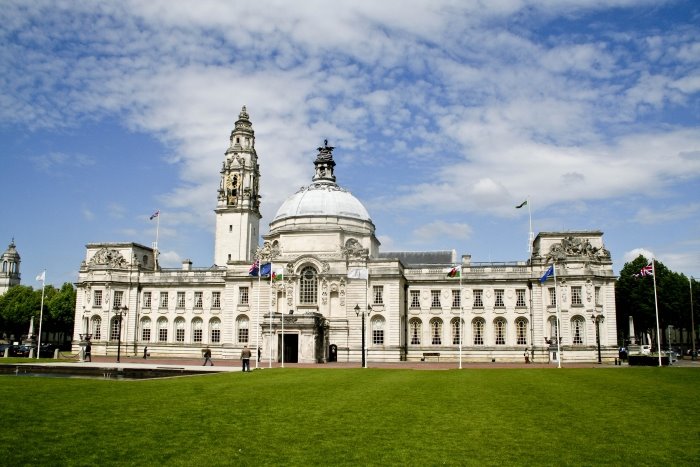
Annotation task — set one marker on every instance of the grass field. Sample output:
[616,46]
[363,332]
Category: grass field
[612,416]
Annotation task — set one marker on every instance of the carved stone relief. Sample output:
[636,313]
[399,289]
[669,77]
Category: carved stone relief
[108,257]
[576,246]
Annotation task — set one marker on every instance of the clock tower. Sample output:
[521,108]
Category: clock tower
[238,202]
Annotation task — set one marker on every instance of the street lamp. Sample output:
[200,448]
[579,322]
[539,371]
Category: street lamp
[597,319]
[358,311]
[119,312]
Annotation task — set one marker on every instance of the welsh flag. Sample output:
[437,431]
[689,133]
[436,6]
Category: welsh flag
[454,273]
[277,275]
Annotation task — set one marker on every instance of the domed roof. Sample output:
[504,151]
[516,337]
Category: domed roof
[322,199]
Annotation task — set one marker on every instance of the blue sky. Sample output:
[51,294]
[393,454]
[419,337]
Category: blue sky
[444,115]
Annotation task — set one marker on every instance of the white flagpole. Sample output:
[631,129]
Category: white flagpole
[461,319]
[556,300]
[270,306]
[41,311]
[692,319]
[656,304]
[257,326]
[283,308]
[532,234]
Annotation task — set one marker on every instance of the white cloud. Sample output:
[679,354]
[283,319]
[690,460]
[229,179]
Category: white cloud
[442,229]
[634,254]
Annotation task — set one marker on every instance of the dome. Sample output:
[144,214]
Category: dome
[322,199]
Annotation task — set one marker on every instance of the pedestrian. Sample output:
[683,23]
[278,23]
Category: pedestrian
[145,352]
[245,358]
[259,354]
[88,352]
[527,356]
[207,357]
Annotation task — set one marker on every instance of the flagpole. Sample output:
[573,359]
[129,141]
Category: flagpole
[155,262]
[461,318]
[532,234]
[285,305]
[257,327]
[41,311]
[656,304]
[556,300]
[692,320]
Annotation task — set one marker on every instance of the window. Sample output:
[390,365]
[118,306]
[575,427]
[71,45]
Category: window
[456,299]
[478,298]
[576,295]
[378,330]
[577,324]
[216,299]
[215,327]
[146,330]
[242,325]
[197,330]
[553,329]
[552,296]
[114,332]
[243,296]
[520,298]
[499,298]
[456,331]
[96,327]
[478,331]
[164,300]
[162,330]
[521,331]
[118,298]
[147,299]
[378,294]
[597,296]
[97,299]
[415,298]
[435,299]
[436,331]
[179,330]
[308,286]
[180,300]
[500,331]
[415,328]
[198,299]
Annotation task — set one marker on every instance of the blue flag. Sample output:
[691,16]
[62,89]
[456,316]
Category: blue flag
[266,269]
[547,274]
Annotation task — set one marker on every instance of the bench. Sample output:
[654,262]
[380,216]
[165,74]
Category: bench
[430,354]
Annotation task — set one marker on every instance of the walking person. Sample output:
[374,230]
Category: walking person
[88,353]
[145,352]
[207,357]
[245,358]
[527,356]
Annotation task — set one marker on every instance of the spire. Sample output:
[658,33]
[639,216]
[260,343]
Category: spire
[324,164]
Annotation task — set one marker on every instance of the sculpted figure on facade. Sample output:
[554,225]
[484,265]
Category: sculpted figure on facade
[577,247]
[353,250]
[110,258]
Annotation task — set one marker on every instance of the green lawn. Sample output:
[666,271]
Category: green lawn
[613,416]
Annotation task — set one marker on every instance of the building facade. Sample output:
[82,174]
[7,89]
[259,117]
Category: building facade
[329,293]
[9,268]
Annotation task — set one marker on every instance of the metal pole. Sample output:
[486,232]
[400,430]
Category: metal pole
[119,337]
[692,320]
[364,362]
[597,336]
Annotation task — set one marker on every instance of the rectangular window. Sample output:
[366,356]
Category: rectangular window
[243,335]
[499,298]
[435,299]
[118,298]
[164,300]
[520,298]
[597,296]
[216,299]
[115,329]
[180,300]
[378,336]
[146,335]
[147,299]
[180,335]
[197,335]
[576,295]
[198,299]
[378,294]
[215,335]
[163,335]
[552,296]
[478,298]
[456,299]
[415,298]
[97,301]
[243,295]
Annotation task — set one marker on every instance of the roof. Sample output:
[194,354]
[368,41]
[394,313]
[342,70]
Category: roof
[422,258]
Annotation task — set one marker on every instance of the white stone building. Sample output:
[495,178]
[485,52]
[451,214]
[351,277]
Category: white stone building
[331,275]
[9,268]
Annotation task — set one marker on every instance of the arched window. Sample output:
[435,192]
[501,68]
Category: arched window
[197,325]
[215,330]
[114,329]
[553,329]
[500,331]
[308,286]
[179,329]
[577,328]
[146,330]
[378,330]
[162,329]
[96,328]
[478,331]
[242,324]
[521,331]
[415,328]
[456,325]
[436,331]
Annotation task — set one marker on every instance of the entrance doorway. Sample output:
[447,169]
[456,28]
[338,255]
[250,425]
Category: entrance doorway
[291,348]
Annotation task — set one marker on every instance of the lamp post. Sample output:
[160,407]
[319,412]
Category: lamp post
[597,319]
[119,312]
[359,311]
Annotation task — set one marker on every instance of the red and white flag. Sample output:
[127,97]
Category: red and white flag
[154,215]
[647,270]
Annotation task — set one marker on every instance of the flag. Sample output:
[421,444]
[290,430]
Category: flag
[154,215]
[358,273]
[265,269]
[647,270]
[524,203]
[547,274]
[253,270]
[454,273]
[41,277]
[277,275]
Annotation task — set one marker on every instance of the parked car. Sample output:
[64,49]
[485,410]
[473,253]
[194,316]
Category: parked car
[47,350]
[19,350]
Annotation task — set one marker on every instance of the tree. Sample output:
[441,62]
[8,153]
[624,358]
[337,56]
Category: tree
[61,309]
[17,306]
